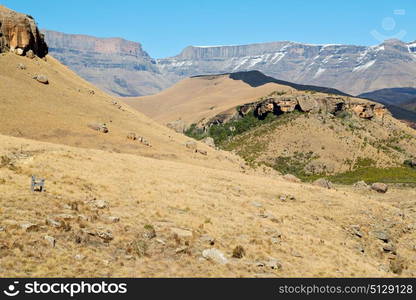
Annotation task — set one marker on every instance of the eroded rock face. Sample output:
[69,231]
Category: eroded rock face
[314,104]
[19,34]
[368,111]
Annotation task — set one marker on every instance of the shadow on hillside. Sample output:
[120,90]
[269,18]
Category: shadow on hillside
[257,78]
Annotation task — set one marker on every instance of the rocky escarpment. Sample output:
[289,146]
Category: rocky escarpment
[19,34]
[115,65]
[348,68]
[278,104]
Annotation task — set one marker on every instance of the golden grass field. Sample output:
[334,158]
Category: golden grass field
[194,99]
[107,196]
[309,236]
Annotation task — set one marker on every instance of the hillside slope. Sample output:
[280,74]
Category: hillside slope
[304,132]
[202,97]
[68,109]
[101,211]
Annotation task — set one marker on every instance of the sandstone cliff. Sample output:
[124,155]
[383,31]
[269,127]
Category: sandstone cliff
[115,65]
[19,34]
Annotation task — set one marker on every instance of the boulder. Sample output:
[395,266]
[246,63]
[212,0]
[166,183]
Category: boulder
[41,78]
[29,227]
[364,111]
[105,235]
[273,264]
[361,185]
[30,54]
[379,187]
[99,127]
[324,183]
[21,66]
[215,255]
[132,136]
[308,104]
[287,104]
[51,240]
[382,235]
[191,145]
[110,219]
[19,51]
[200,151]
[100,204]
[54,223]
[19,34]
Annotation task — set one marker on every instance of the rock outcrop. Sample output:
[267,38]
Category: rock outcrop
[321,103]
[19,34]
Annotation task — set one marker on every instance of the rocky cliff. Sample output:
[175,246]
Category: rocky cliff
[19,34]
[124,68]
[115,65]
[351,69]
[279,103]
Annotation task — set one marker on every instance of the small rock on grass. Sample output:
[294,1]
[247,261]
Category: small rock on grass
[41,78]
[379,187]
[29,227]
[215,255]
[324,183]
[51,240]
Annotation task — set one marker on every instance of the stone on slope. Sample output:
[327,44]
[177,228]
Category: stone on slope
[379,187]
[51,240]
[215,255]
[324,183]
[361,185]
[41,78]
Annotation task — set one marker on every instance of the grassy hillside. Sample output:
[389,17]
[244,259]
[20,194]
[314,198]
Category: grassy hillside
[101,210]
[313,145]
[200,98]
[66,110]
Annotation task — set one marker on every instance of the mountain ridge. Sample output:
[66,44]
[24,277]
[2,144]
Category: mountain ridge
[363,69]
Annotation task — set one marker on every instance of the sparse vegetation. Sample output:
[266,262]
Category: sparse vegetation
[224,132]
[372,174]
[295,164]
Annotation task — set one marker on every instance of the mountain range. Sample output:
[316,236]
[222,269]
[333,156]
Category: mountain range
[348,68]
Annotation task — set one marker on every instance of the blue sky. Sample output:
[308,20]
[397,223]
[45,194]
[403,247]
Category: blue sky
[165,27]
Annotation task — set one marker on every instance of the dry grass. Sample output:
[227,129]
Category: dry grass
[194,99]
[62,112]
[309,236]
